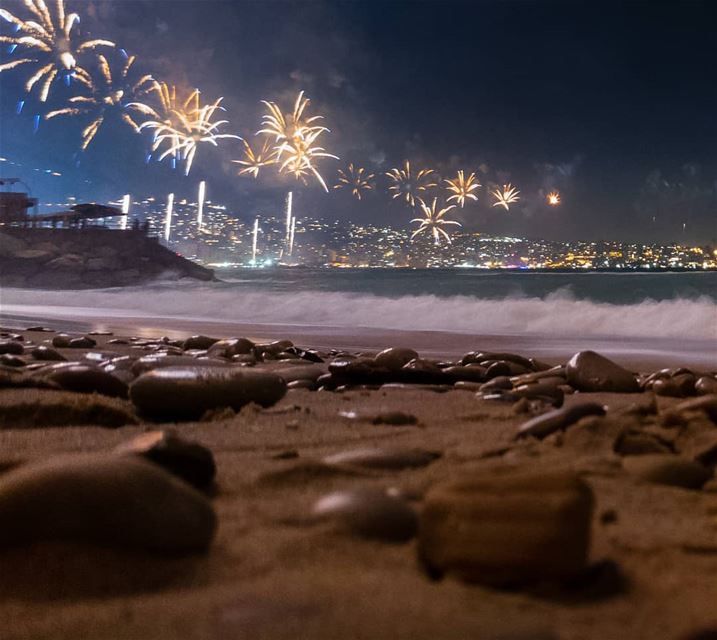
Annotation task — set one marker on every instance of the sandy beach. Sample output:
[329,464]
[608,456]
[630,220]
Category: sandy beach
[272,571]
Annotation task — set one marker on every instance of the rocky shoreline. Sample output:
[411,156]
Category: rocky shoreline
[229,487]
[93,257]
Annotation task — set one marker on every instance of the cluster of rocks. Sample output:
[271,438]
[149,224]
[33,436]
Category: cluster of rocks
[87,258]
[502,526]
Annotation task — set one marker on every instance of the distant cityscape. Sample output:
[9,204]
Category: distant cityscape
[222,240]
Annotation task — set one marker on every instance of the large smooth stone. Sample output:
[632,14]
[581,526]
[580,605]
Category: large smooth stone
[185,393]
[390,459]
[543,425]
[508,527]
[589,371]
[199,342]
[369,513]
[120,501]
[230,347]
[43,352]
[394,358]
[149,363]
[669,470]
[190,461]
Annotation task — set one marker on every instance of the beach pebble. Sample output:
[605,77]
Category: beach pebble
[706,385]
[185,393]
[560,419]
[188,460]
[11,347]
[85,378]
[9,360]
[389,459]
[150,363]
[199,342]
[81,342]
[668,470]
[394,358]
[230,347]
[507,527]
[120,501]
[589,371]
[369,513]
[473,373]
[46,353]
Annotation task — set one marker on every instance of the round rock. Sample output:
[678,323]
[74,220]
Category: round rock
[120,501]
[589,371]
[394,358]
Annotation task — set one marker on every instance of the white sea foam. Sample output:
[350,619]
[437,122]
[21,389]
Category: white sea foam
[557,314]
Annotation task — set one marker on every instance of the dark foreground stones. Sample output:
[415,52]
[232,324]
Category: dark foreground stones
[112,500]
[508,528]
[186,393]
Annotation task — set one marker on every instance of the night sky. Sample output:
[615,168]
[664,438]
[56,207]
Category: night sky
[613,104]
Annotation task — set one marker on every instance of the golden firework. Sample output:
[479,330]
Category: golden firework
[462,188]
[553,198]
[407,185]
[255,160]
[355,178]
[47,42]
[509,195]
[108,93]
[433,222]
[295,137]
[187,126]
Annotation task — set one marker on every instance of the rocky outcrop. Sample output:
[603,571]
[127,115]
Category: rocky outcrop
[88,258]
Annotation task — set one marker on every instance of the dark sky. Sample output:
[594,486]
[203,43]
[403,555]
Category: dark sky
[612,103]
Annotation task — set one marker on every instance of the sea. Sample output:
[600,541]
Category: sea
[639,316]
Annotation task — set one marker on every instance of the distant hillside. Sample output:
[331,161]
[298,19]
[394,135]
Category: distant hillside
[93,257]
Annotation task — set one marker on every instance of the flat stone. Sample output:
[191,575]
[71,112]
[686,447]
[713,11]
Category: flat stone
[390,459]
[669,470]
[120,501]
[82,342]
[508,527]
[185,393]
[589,371]
[85,378]
[190,461]
[150,363]
[560,419]
[369,513]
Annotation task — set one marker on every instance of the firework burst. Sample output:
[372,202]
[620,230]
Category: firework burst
[295,139]
[356,179]
[49,42]
[185,126]
[433,222]
[509,195]
[553,198]
[255,160]
[462,188]
[109,93]
[409,186]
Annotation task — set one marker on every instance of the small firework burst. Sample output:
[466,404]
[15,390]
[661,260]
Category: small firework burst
[462,188]
[355,178]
